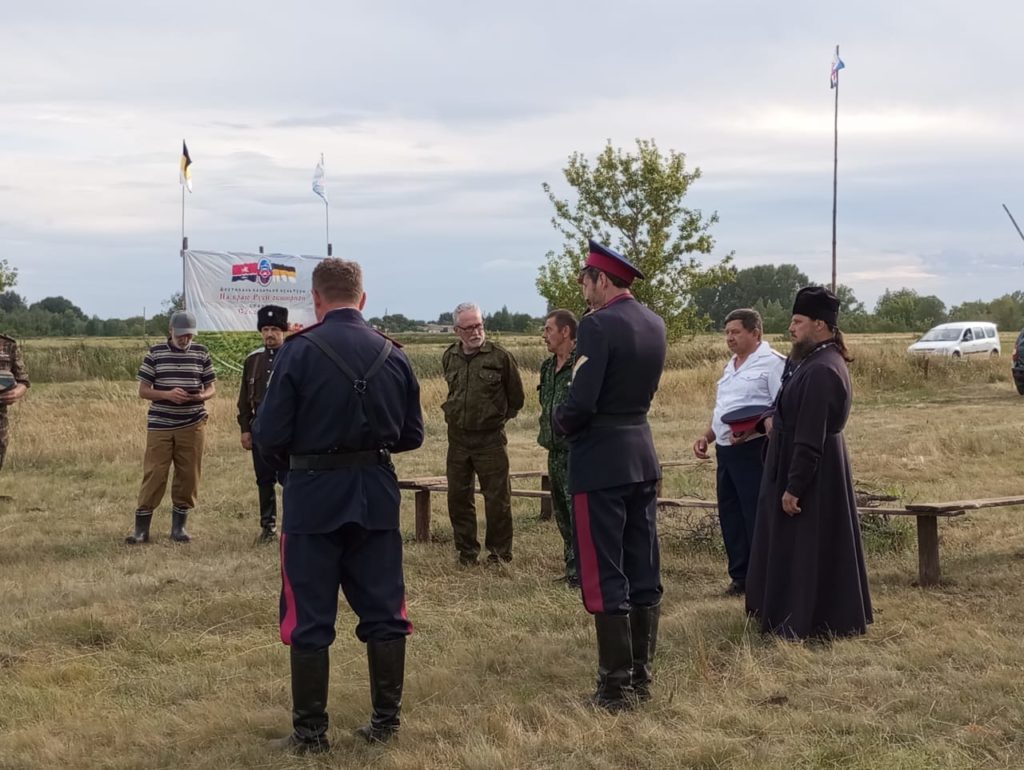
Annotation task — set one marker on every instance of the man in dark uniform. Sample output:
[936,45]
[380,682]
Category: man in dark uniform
[807,576]
[613,474]
[272,323]
[342,398]
[13,385]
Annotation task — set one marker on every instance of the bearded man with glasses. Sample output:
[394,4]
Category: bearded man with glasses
[484,392]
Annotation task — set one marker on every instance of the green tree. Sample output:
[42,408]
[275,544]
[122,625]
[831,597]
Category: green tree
[760,283]
[59,306]
[907,310]
[8,275]
[634,204]
[11,301]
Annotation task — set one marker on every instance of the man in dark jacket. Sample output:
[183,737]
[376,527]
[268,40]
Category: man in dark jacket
[484,392]
[272,323]
[613,474]
[807,576]
[342,398]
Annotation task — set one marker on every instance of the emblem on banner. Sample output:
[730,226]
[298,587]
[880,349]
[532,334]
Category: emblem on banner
[264,272]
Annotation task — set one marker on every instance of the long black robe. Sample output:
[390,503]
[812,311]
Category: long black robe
[807,576]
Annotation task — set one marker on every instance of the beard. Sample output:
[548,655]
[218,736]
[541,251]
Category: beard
[801,348]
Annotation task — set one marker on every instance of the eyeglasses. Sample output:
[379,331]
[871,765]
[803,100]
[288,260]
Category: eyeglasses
[473,328]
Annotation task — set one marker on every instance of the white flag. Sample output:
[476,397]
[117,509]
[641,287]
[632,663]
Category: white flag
[320,180]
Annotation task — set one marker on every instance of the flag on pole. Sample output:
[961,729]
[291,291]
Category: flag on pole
[320,180]
[185,172]
[837,64]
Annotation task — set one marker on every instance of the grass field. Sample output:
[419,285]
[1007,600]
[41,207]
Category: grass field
[167,656]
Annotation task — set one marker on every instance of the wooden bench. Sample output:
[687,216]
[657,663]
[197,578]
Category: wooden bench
[927,515]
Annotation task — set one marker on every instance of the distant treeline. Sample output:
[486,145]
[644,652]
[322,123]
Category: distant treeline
[60,317]
[770,289]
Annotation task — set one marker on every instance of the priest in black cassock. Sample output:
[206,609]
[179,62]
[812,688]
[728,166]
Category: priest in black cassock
[807,577]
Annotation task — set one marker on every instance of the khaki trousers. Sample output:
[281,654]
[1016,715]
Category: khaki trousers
[184,448]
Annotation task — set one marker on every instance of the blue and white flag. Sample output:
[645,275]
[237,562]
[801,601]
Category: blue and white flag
[320,180]
[837,64]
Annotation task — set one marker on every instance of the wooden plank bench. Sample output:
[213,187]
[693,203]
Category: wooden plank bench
[927,515]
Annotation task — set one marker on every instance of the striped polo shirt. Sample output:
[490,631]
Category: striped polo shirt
[166,367]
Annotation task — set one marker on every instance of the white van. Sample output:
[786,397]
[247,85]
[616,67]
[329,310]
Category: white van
[959,339]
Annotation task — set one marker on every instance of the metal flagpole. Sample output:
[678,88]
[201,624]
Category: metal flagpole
[327,208]
[184,246]
[835,171]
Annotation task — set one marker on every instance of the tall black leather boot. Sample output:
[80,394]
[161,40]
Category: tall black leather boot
[310,676]
[615,663]
[178,518]
[141,534]
[268,513]
[643,626]
[387,674]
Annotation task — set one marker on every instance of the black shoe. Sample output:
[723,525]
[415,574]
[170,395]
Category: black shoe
[573,581]
[267,535]
[614,664]
[296,745]
[141,533]
[387,675]
[178,518]
[268,508]
[310,675]
[468,561]
[736,588]
[493,558]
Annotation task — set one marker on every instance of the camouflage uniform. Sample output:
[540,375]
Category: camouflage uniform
[11,365]
[484,392]
[553,388]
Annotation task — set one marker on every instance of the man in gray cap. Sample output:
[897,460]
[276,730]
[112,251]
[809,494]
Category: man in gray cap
[177,378]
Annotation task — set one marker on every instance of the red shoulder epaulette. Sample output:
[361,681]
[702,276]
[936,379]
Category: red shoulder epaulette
[394,342]
[303,330]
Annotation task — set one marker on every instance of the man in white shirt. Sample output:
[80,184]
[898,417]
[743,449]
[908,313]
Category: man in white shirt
[752,377]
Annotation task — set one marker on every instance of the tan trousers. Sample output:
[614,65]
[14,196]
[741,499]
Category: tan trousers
[184,448]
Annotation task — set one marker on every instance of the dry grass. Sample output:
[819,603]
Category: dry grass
[167,656]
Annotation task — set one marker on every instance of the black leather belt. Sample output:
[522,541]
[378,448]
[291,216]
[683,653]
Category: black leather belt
[335,460]
[617,420]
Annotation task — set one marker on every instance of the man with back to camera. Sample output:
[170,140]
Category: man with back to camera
[613,474]
[485,391]
[177,377]
[342,398]
[747,388]
[272,324]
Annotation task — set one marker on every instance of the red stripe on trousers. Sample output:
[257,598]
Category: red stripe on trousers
[590,579]
[290,619]
[405,615]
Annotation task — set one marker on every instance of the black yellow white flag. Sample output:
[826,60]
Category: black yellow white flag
[185,171]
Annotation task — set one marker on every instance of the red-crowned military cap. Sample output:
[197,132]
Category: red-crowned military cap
[745,418]
[611,262]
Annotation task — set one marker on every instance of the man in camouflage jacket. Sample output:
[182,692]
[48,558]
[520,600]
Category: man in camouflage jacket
[484,392]
[13,385]
[555,377]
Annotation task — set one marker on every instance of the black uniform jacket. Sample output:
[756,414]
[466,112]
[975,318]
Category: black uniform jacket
[311,408]
[620,354]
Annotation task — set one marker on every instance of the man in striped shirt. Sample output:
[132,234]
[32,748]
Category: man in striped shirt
[177,377]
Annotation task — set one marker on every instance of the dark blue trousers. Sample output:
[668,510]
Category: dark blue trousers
[739,481]
[266,476]
[616,542]
[366,564]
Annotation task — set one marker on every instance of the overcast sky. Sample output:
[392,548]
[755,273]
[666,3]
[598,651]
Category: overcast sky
[440,121]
